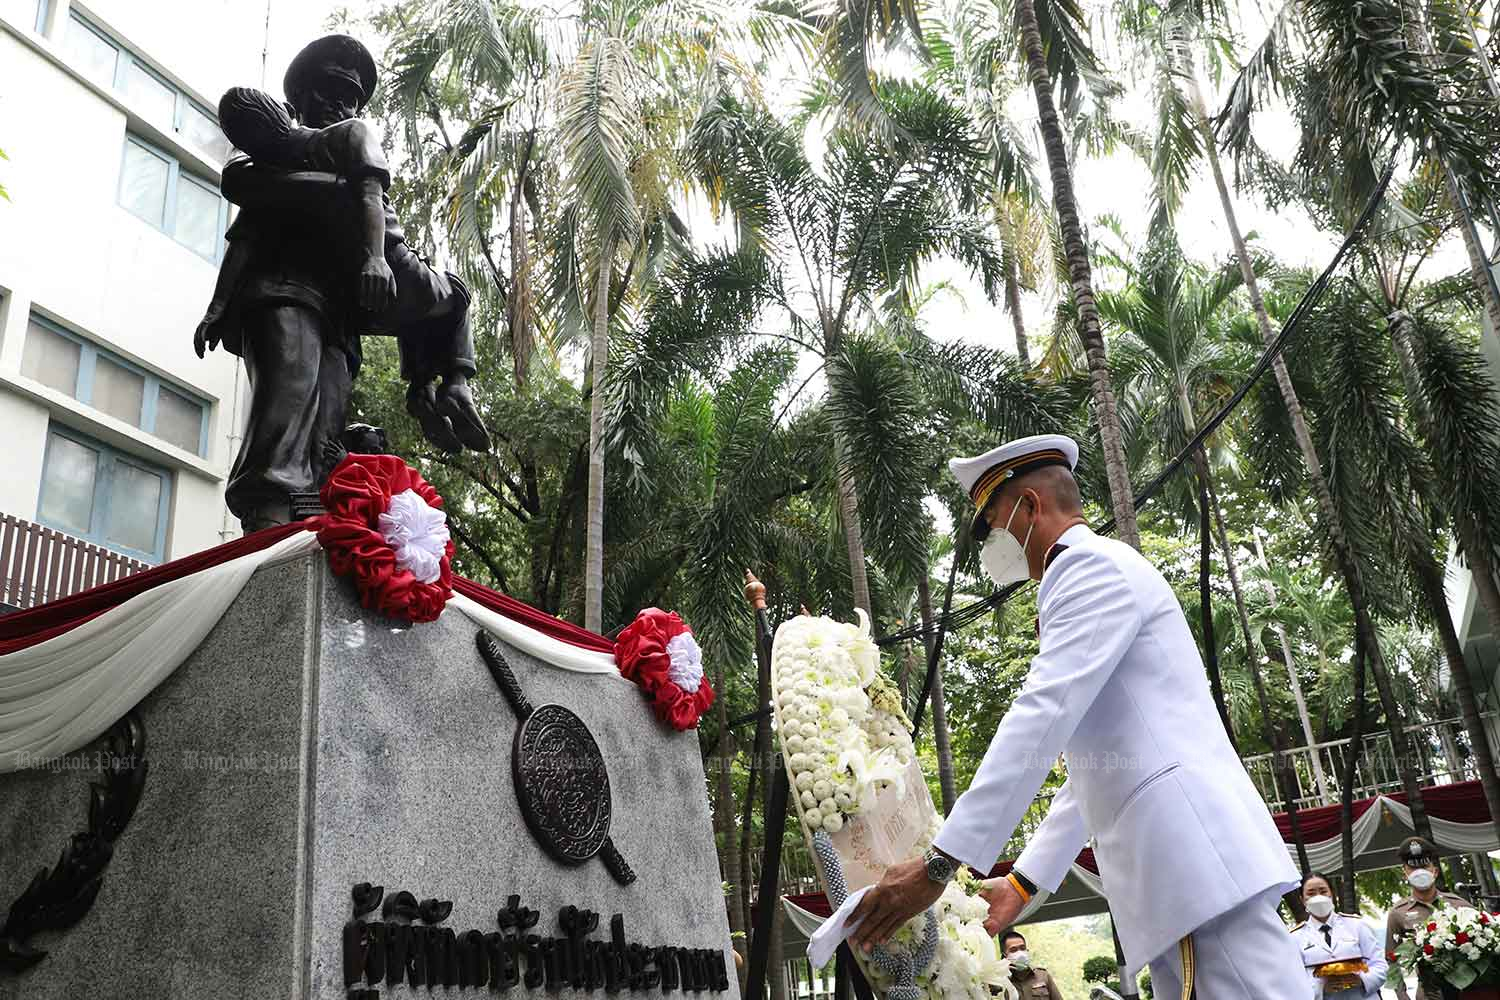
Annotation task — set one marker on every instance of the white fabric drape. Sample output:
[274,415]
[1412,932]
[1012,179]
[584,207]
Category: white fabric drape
[1327,855]
[1471,838]
[58,695]
[555,652]
[1323,855]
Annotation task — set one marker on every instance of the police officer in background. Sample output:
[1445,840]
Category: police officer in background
[1339,950]
[1419,862]
[1032,982]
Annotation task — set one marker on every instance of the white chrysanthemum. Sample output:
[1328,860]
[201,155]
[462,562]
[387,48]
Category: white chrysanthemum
[417,533]
[685,668]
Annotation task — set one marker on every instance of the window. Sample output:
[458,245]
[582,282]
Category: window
[154,187]
[95,55]
[148,92]
[50,358]
[112,385]
[104,496]
[25,13]
[114,67]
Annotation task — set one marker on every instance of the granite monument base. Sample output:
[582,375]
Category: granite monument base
[309,745]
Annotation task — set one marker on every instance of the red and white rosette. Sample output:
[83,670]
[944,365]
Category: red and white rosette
[384,526]
[658,652]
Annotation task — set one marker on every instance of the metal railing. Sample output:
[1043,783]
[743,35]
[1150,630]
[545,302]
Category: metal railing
[39,564]
[1441,751]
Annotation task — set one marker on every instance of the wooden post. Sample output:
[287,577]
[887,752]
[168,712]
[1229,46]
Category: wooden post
[768,896]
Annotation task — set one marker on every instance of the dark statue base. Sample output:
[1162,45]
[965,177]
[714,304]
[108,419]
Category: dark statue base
[309,746]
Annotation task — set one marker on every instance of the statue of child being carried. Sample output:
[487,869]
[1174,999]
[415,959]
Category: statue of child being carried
[316,259]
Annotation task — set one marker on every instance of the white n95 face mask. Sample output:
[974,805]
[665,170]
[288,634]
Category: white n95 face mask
[1421,879]
[1320,906]
[1003,557]
[1021,960]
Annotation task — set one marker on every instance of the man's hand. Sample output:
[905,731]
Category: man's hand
[377,285]
[1005,904]
[904,892]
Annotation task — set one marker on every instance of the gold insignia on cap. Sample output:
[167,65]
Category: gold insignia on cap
[985,486]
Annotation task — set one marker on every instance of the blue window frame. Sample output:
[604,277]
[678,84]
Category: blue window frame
[154,187]
[103,495]
[109,383]
[113,65]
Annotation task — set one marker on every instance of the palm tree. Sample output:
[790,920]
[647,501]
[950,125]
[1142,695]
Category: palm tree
[1367,349]
[1079,271]
[1174,364]
[605,93]
[863,227]
[1358,85]
[1293,680]
[1054,50]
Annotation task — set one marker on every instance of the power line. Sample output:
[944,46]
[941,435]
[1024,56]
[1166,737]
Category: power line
[970,613]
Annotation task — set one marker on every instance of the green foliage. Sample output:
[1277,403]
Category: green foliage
[1100,969]
[749,375]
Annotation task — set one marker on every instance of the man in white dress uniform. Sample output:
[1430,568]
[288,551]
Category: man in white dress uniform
[1191,862]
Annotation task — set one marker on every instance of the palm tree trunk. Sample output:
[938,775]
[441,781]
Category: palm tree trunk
[1081,277]
[1430,577]
[941,739]
[1328,513]
[1286,774]
[1206,616]
[775,963]
[593,582]
[1013,304]
[854,536]
[728,829]
[724,814]
[1324,796]
[518,302]
[1351,770]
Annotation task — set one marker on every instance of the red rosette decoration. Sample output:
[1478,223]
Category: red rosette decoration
[657,651]
[358,492]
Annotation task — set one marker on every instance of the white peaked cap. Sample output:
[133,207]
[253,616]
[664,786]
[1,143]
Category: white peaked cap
[981,475]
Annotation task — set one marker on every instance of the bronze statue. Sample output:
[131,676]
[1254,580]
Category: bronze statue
[316,259]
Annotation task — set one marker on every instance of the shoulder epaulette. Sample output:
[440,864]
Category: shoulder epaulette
[1351,916]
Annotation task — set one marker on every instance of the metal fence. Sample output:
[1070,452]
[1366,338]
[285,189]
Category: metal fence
[1441,751]
[39,564]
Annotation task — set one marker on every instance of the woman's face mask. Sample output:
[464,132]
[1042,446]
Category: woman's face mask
[1320,906]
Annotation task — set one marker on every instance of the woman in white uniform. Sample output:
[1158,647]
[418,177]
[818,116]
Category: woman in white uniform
[1341,953]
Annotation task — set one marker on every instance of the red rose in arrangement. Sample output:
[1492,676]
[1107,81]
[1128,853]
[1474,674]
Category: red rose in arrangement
[1427,949]
[1432,926]
[384,527]
[658,652]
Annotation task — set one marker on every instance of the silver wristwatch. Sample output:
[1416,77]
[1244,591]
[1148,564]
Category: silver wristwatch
[939,868]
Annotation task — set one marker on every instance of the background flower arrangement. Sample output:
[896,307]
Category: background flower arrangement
[1458,945]
[845,738]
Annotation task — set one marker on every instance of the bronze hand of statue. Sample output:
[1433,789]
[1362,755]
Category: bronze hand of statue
[207,336]
[377,285]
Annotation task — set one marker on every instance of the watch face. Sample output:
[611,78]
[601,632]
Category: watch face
[939,869]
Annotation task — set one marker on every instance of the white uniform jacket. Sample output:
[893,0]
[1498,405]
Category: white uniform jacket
[1181,835]
[1352,939]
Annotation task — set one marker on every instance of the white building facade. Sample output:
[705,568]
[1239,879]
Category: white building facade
[115,432]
